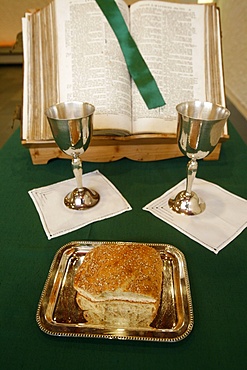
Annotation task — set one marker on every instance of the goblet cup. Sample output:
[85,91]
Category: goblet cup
[72,125]
[200,126]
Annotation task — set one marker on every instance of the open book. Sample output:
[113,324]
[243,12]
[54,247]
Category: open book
[71,53]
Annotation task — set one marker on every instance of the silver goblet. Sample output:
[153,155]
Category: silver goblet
[200,126]
[72,125]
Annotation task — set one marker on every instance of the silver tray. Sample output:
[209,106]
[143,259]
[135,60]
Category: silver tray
[59,315]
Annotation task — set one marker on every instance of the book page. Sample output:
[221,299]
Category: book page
[215,90]
[214,63]
[40,74]
[171,39]
[36,81]
[91,64]
[31,81]
[49,65]
[26,84]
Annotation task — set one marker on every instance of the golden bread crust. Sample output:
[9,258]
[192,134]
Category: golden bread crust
[131,272]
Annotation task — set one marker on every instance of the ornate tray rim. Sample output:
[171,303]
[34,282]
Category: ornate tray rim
[144,334]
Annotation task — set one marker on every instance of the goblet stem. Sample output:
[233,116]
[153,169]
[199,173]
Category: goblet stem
[77,170]
[80,198]
[187,202]
[191,174]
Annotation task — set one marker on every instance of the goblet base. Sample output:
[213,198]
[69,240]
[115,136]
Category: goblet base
[187,204]
[81,199]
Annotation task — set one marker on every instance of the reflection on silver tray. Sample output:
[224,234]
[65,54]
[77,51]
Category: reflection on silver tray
[59,315]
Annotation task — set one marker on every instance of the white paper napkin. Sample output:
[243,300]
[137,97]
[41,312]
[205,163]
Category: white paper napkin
[224,218]
[57,219]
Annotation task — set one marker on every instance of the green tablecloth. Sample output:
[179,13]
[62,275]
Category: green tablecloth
[218,282]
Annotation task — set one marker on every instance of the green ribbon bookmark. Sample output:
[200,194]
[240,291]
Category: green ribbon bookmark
[137,67]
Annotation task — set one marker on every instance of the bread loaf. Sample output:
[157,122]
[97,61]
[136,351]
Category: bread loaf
[120,285]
